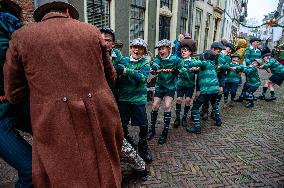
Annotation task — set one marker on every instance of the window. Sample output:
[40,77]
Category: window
[164,27]
[197,25]
[98,12]
[216,29]
[137,17]
[167,3]
[207,26]
[184,16]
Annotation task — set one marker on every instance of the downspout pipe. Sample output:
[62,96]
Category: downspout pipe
[223,30]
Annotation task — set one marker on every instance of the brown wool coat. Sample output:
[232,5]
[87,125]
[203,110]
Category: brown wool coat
[77,136]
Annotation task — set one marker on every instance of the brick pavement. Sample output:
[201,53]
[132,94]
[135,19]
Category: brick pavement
[247,151]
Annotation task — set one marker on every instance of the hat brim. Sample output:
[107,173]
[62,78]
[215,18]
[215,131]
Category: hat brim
[42,10]
[267,54]
[234,56]
[162,46]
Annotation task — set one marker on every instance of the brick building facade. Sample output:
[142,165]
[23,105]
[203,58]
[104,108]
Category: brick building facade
[28,9]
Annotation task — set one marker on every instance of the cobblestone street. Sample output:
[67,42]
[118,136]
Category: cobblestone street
[246,151]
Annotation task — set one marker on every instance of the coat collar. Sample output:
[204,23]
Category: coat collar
[53,15]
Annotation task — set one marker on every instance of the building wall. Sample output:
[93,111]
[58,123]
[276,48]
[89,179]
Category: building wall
[152,9]
[79,5]
[122,12]
[28,9]
[206,8]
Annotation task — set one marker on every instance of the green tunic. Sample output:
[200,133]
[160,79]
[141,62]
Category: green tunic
[253,79]
[207,76]
[251,54]
[234,75]
[274,66]
[186,78]
[133,85]
[167,81]
[116,58]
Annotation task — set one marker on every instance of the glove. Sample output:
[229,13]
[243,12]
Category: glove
[119,68]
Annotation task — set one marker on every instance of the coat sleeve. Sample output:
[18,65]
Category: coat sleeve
[15,82]
[108,67]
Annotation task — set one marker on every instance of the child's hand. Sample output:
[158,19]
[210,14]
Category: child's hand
[120,68]
[124,71]
[194,69]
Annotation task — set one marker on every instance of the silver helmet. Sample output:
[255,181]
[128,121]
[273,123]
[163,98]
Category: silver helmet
[164,42]
[139,42]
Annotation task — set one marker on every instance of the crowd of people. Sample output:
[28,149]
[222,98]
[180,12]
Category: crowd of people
[68,84]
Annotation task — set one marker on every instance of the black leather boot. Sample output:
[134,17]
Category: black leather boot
[163,137]
[176,123]
[142,175]
[144,151]
[151,133]
[184,122]
[195,130]
[131,141]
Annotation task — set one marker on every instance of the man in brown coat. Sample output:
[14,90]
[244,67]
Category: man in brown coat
[63,67]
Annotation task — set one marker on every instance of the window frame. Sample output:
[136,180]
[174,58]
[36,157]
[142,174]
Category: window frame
[98,13]
[137,7]
[167,3]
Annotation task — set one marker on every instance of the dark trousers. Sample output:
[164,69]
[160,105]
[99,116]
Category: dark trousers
[203,99]
[230,88]
[13,148]
[138,116]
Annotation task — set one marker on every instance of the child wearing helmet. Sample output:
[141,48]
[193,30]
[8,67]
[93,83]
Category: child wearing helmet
[167,67]
[132,88]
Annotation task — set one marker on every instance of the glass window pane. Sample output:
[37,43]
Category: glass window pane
[137,18]
[98,12]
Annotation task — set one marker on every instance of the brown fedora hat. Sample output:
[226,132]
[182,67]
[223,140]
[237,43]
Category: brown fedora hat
[11,7]
[42,6]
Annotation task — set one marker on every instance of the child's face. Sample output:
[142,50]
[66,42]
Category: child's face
[255,44]
[108,40]
[164,51]
[228,50]
[185,52]
[217,50]
[266,58]
[235,60]
[255,64]
[137,52]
